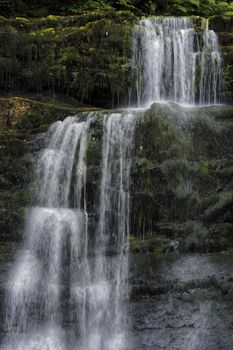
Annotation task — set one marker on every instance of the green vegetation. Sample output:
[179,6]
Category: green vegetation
[182,177]
[85,57]
[33,8]
[83,49]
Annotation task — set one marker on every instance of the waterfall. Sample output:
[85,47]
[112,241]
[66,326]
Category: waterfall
[109,331]
[173,62]
[67,290]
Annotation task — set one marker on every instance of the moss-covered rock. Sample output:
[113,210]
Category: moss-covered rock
[182,175]
[25,116]
[221,23]
[21,123]
[87,56]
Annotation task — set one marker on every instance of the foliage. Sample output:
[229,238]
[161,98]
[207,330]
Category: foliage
[66,56]
[202,7]
[34,8]
[89,5]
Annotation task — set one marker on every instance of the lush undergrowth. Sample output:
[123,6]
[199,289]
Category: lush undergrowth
[35,8]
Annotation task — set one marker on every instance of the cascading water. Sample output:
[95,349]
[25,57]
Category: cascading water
[113,230]
[173,62]
[63,294]
[69,285]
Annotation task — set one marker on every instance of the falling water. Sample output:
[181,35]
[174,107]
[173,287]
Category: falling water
[113,228]
[68,288]
[171,61]
[63,294]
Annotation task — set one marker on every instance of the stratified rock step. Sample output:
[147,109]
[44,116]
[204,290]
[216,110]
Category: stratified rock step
[175,273]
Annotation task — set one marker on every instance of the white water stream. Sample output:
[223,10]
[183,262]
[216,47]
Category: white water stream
[68,289]
[173,62]
[56,265]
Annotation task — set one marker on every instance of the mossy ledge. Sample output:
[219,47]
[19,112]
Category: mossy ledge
[26,116]
[87,56]
[23,122]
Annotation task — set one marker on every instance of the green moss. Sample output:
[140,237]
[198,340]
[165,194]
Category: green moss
[87,57]
[225,38]
[221,23]
[28,195]
[47,31]
[156,245]
[205,135]
[219,209]
[22,19]
[7,249]
[30,116]
[166,140]
[199,23]
[94,150]
[54,18]
[204,168]
[228,81]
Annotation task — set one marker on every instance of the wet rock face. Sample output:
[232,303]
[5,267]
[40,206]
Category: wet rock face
[22,123]
[181,177]
[16,174]
[181,201]
[223,26]
[178,304]
[86,57]
[182,322]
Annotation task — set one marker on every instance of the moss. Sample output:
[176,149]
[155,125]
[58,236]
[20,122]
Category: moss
[220,236]
[22,19]
[21,116]
[199,23]
[87,57]
[99,72]
[221,23]
[228,82]
[47,31]
[198,239]
[227,52]
[174,180]
[221,209]
[93,156]
[54,18]
[28,195]
[32,24]
[206,135]
[166,141]
[204,168]
[225,38]
[156,245]
[7,249]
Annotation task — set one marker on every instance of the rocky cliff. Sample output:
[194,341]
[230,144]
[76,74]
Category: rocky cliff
[181,172]
[182,168]
[87,56]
